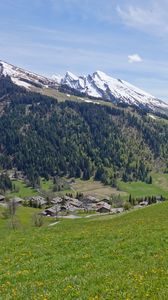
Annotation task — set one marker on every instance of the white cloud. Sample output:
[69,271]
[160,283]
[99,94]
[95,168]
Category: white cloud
[151,17]
[134,58]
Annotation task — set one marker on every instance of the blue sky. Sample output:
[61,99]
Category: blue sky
[125,38]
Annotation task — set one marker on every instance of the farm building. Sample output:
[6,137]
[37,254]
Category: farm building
[74,202]
[56,200]
[90,199]
[38,201]
[103,207]
[52,211]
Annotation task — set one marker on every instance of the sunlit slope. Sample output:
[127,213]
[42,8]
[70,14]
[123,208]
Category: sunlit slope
[123,257]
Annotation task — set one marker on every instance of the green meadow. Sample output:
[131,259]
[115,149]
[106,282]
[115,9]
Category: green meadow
[46,185]
[22,190]
[137,189]
[109,257]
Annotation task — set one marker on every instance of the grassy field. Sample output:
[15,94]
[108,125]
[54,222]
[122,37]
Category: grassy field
[46,185]
[87,187]
[24,218]
[96,189]
[158,187]
[65,96]
[22,190]
[137,189]
[123,257]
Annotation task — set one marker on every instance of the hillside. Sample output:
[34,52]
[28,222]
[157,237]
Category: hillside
[123,257]
[42,137]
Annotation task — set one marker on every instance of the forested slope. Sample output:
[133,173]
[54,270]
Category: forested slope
[43,137]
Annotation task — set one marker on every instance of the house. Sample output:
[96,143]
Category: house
[117,210]
[90,199]
[14,174]
[69,208]
[103,207]
[90,207]
[75,202]
[52,211]
[56,200]
[71,204]
[38,201]
[143,203]
[2,198]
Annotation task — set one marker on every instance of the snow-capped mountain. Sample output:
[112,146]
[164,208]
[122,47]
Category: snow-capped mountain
[100,85]
[25,78]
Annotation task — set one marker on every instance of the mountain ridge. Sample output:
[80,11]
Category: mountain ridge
[97,85]
[25,78]
[100,85]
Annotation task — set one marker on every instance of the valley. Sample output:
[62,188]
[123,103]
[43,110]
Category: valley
[83,150]
[83,193]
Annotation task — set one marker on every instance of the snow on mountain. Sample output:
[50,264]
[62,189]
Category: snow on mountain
[57,78]
[100,85]
[24,78]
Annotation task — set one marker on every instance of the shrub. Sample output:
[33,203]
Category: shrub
[127,206]
[38,220]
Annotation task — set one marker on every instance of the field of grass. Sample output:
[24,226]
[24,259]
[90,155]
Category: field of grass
[23,190]
[46,185]
[158,187]
[122,257]
[65,96]
[96,189]
[87,187]
[24,218]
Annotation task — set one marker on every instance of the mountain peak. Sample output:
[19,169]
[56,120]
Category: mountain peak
[71,75]
[101,75]
[101,85]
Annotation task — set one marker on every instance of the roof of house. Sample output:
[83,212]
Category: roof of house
[75,202]
[56,200]
[54,209]
[90,206]
[103,204]
[39,199]
[143,203]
